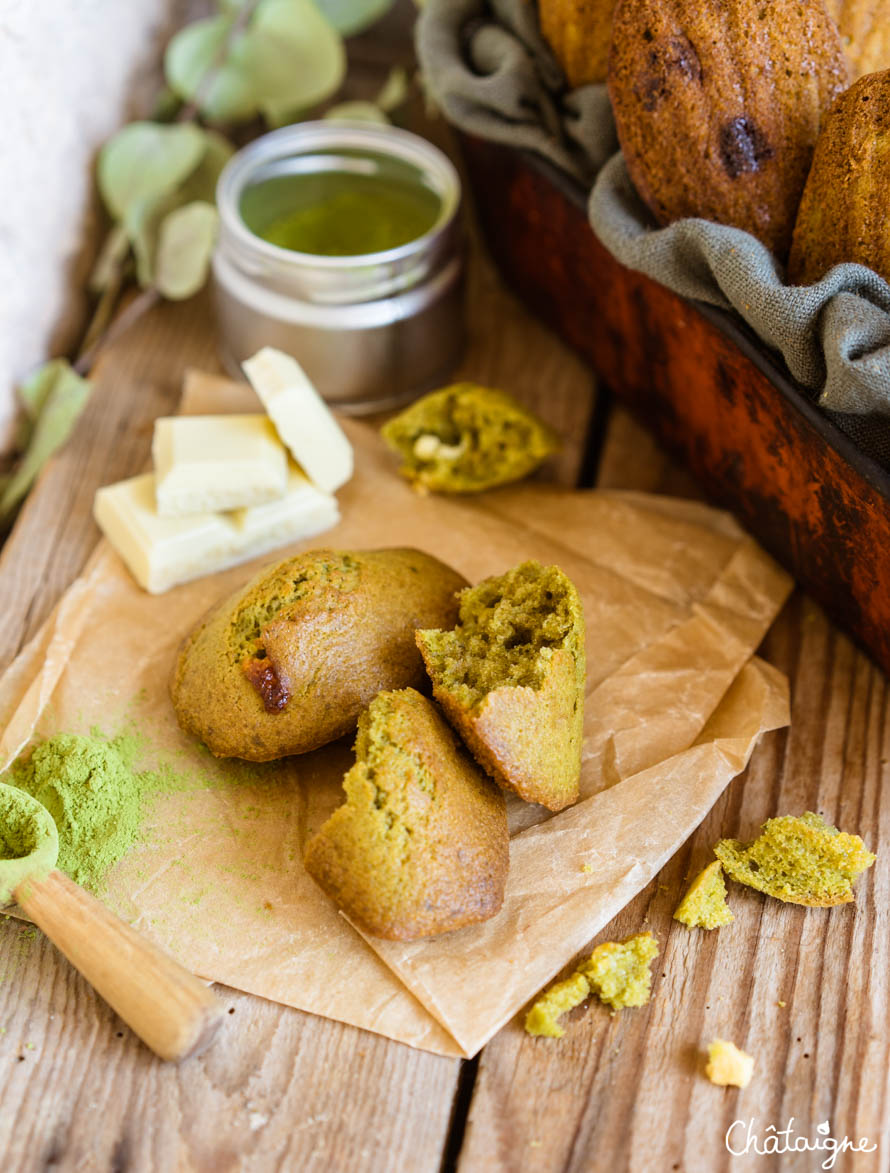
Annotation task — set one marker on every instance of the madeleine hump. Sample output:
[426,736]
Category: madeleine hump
[287,663]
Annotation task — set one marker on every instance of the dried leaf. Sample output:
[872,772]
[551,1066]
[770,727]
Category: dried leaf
[53,396]
[185,244]
[145,161]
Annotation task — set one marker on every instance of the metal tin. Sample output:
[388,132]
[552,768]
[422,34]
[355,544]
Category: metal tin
[371,331]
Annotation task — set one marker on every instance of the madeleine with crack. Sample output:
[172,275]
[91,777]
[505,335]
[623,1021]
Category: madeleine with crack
[287,663]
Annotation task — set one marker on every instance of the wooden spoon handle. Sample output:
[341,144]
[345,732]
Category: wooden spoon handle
[170,1010]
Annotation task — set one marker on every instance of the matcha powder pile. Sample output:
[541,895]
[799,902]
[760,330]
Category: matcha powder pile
[91,789]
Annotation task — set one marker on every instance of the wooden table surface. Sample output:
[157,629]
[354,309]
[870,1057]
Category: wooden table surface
[806,991]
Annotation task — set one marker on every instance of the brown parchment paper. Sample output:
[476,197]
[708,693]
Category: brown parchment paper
[676,600]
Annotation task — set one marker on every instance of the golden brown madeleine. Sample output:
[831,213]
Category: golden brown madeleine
[865,33]
[843,213]
[510,678]
[420,846]
[288,662]
[578,32]
[718,105]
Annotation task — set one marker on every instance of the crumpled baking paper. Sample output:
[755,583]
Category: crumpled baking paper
[676,600]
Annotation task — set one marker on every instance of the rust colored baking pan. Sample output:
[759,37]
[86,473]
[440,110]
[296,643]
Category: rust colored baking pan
[705,385]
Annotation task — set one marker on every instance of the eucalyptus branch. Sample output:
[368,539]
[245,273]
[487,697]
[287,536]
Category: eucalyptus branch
[104,327]
[131,313]
[191,110]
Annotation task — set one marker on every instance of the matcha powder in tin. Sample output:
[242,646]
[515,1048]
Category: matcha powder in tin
[94,794]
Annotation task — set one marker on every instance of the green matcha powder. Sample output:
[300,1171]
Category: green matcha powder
[95,795]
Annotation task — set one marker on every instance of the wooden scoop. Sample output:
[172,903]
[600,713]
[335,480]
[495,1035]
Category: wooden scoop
[171,1011]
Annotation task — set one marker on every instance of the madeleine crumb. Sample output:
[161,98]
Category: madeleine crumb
[727,1065]
[704,905]
[543,1018]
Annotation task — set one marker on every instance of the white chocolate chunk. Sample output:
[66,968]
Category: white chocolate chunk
[429,447]
[164,551]
[302,418]
[160,551]
[209,463]
[272,524]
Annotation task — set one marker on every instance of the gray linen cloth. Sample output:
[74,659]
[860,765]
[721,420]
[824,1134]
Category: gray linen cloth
[487,67]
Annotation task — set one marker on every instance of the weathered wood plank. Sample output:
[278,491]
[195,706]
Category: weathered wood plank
[280,1089]
[628,1092]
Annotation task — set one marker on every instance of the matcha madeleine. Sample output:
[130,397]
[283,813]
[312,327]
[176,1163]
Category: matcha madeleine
[420,846]
[865,32]
[718,105]
[843,213]
[466,438]
[287,663]
[510,677]
[579,32]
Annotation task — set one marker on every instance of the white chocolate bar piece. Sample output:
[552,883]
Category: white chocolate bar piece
[164,551]
[302,418]
[210,463]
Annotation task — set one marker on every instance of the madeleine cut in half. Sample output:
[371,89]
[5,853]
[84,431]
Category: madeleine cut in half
[420,846]
[510,677]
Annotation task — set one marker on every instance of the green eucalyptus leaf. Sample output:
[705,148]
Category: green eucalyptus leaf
[292,57]
[144,222]
[351,16]
[111,255]
[167,105]
[356,112]
[394,90]
[54,396]
[145,161]
[185,243]
[201,183]
[198,66]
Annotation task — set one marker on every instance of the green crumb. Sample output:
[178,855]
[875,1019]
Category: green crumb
[704,905]
[798,860]
[619,972]
[543,1018]
[466,438]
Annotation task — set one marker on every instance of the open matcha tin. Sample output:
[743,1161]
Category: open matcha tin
[340,243]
